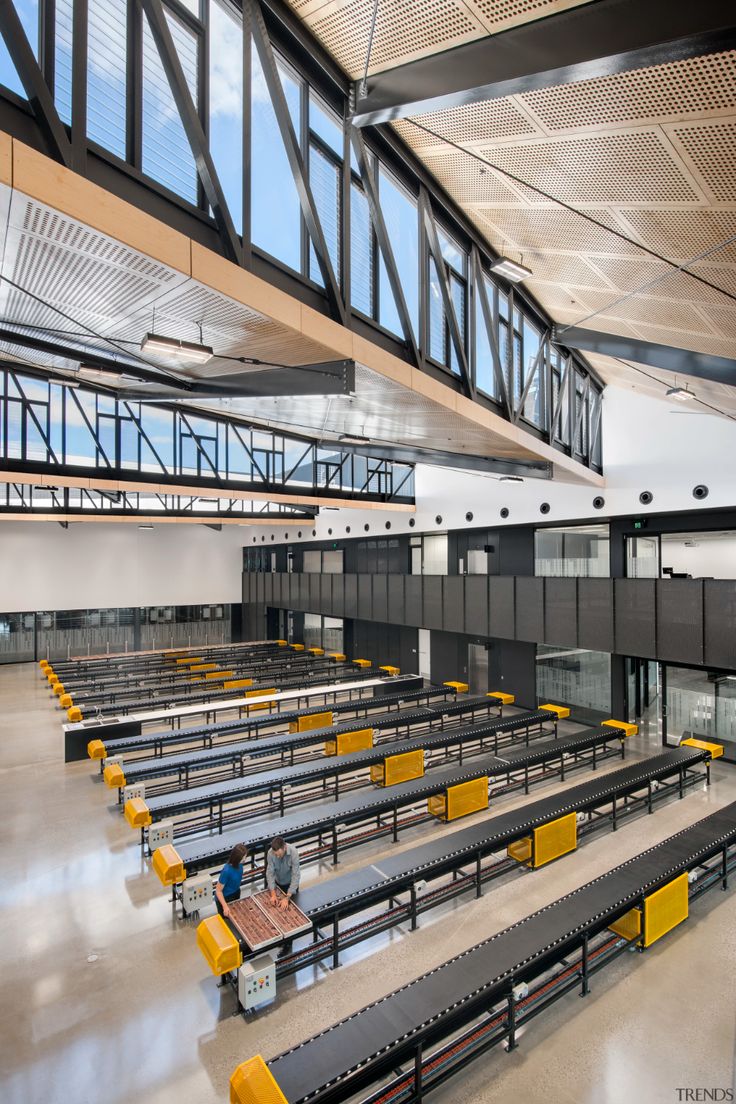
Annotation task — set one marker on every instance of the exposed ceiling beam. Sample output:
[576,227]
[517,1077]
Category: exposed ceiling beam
[406,454]
[594,40]
[684,362]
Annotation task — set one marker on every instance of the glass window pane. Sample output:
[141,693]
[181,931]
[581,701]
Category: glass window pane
[436,316]
[533,405]
[401,219]
[573,551]
[167,155]
[106,46]
[324,177]
[574,677]
[275,211]
[323,123]
[226,105]
[63,60]
[452,252]
[361,252]
[458,293]
[28,14]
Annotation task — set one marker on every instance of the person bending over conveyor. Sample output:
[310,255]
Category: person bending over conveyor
[228,884]
[283,870]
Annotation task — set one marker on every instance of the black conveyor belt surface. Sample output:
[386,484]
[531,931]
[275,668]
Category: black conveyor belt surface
[482,972]
[491,834]
[272,745]
[320,766]
[262,720]
[363,803]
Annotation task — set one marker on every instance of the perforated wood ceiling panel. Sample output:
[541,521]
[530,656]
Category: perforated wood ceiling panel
[408,29]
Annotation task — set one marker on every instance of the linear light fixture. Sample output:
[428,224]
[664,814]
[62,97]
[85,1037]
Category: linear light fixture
[171,346]
[681,394]
[511,479]
[354,439]
[511,270]
[145,527]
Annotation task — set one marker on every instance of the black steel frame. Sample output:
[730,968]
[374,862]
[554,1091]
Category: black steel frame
[270,27]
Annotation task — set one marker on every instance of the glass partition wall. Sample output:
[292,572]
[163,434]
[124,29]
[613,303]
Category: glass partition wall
[577,678]
[700,703]
[576,551]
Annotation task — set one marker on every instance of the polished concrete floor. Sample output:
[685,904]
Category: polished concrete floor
[105,997]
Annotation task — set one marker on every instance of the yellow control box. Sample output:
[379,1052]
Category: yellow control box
[461,800]
[560,711]
[458,687]
[338,657]
[398,768]
[390,670]
[624,727]
[716,750]
[345,742]
[361,662]
[298,647]
[663,910]
[259,694]
[314,720]
[96,749]
[316,651]
[547,842]
[253,1083]
[219,946]
[168,865]
[136,813]
[237,684]
[114,776]
[503,699]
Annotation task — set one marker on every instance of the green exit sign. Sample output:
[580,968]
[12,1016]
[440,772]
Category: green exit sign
[640,523]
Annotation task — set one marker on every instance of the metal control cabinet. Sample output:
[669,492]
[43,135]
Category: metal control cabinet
[257,982]
[196,893]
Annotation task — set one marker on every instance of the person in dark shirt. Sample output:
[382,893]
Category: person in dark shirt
[228,884]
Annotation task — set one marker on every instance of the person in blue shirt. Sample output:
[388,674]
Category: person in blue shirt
[228,884]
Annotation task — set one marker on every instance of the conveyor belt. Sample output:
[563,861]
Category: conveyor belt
[145,660]
[195,733]
[231,789]
[362,887]
[143,769]
[482,975]
[360,805]
[201,693]
[189,680]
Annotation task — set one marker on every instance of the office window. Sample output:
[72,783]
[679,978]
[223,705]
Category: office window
[574,551]
[574,677]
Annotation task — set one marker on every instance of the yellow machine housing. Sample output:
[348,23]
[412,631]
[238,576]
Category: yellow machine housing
[74,714]
[560,710]
[316,651]
[623,726]
[168,865]
[59,689]
[218,674]
[663,910]
[298,647]
[189,660]
[338,657]
[398,768]
[204,667]
[219,946]
[281,643]
[361,663]
[546,843]
[96,749]
[253,1083]
[458,687]
[390,670]
[137,813]
[65,701]
[345,742]
[43,664]
[461,800]
[237,684]
[114,776]
[315,720]
[258,694]
[503,699]
[716,750]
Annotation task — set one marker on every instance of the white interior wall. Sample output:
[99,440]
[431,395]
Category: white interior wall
[645,447]
[88,566]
